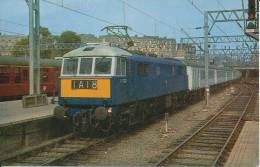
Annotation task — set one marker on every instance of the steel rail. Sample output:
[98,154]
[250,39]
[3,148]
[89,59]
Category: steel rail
[235,128]
[198,131]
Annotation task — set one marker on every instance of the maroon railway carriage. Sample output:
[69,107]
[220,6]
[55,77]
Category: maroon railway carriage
[14,77]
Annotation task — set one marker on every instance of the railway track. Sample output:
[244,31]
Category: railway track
[56,154]
[209,145]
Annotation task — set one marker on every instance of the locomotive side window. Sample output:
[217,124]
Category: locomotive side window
[86,66]
[121,66]
[17,75]
[130,67]
[172,70]
[146,69]
[103,66]
[140,68]
[157,70]
[181,71]
[70,66]
[4,75]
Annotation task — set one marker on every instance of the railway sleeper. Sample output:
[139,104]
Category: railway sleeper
[181,162]
[201,149]
[230,126]
[211,139]
[72,146]
[207,145]
[49,154]
[210,142]
[200,152]
[193,158]
[216,132]
[63,150]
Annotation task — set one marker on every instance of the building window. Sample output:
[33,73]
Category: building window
[44,75]
[158,70]
[17,75]
[4,75]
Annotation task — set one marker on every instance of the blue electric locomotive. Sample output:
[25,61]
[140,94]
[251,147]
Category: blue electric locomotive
[102,85]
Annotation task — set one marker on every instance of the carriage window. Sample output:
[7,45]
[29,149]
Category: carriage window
[25,76]
[86,66]
[70,66]
[4,75]
[121,66]
[17,75]
[103,66]
[44,75]
[56,74]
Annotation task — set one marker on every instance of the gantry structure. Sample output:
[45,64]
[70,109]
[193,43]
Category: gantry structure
[240,50]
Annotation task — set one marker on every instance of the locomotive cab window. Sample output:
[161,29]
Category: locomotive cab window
[86,66]
[121,66]
[103,66]
[70,66]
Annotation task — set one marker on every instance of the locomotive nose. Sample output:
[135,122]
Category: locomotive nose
[59,112]
[101,113]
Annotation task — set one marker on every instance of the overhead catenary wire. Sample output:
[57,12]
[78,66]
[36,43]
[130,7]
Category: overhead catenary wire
[24,25]
[94,17]
[12,32]
[157,20]
[209,20]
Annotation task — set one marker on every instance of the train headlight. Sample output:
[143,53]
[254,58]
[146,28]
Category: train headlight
[109,110]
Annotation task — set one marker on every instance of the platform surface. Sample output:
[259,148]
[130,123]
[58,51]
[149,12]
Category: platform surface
[12,112]
[245,153]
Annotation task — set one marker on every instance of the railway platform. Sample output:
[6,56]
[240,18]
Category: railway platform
[12,112]
[245,153]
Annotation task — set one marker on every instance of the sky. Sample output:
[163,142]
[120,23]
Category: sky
[176,14]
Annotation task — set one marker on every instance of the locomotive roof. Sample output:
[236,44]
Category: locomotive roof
[21,61]
[158,60]
[97,50]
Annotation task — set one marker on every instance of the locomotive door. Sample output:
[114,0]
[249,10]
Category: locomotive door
[131,81]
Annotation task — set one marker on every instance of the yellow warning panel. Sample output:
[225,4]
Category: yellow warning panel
[86,87]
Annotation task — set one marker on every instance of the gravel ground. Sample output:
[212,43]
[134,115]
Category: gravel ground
[140,147]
